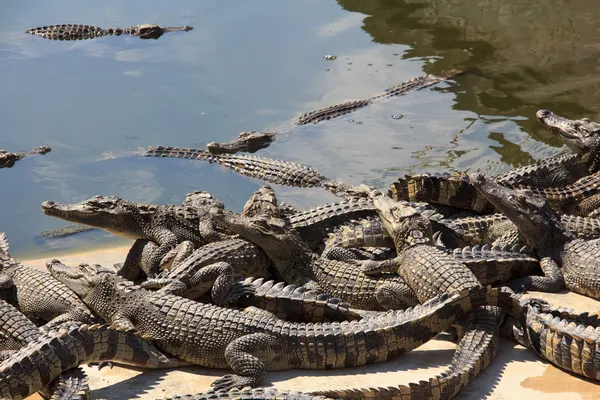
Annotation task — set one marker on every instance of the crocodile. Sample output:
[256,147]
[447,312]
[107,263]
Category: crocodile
[164,225]
[568,341]
[20,286]
[41,361]
[16,331]
[252,343]
[582,136]
[83,32]
[579,198]
[566,261]
[253,141]
[298,265]
[217,264]
[8,159]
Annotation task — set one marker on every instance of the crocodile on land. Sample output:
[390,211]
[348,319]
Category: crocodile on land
[566,261]
[297,264]
[20,286]
[8,159]
[44,359]
[82,32]
[16,331]
[164,225]
[582,136]
[252,343]
[253,141]
[217,264]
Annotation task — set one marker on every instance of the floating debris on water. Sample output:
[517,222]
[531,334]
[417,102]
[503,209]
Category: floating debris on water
[397,116]
[329,57]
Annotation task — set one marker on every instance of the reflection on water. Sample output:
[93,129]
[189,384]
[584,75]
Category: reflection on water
[255,66]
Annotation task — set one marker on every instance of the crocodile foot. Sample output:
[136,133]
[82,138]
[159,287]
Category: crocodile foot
[232,381]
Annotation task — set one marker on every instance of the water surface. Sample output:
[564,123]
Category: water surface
[255,66]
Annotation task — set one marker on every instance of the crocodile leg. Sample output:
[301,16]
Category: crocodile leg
[552,281]
[248,356]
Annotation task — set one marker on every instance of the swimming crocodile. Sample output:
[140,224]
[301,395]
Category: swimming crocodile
[566,261]
[253,141]
[8,159]
[82,32]
[559,178]
[252,343]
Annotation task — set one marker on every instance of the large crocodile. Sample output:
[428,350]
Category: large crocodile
[253,141]
[82,32]
[8,159]
[582,136]
[252,343]
[566,261]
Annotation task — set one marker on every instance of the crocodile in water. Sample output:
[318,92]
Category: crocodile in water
[82,32]
[8,159]
[253,141]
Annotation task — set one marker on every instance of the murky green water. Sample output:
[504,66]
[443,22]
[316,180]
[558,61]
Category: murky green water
[255,65]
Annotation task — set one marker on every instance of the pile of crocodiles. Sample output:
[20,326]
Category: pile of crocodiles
[359,281]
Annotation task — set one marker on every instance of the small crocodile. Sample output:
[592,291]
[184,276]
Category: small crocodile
[253,141]
[164,225]
[8,159]
[557,174]
[44,359]
[20,286]
[566,261]
[252,343]
[82,32]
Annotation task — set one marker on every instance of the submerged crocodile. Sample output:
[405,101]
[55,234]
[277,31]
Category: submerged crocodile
[253,141]
[559,178]
[82,32]
[8,159]
[566,261]
[252,343]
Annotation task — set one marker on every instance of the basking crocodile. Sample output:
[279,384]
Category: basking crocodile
[553,173]
[252,343]
[82,32]
[566,261]
[164,225]
[253,141]
[8,159]
[16,331]
[44,359]
[297,264]
[20,286]
[570,342]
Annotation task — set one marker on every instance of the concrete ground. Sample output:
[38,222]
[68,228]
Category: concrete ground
[516,373]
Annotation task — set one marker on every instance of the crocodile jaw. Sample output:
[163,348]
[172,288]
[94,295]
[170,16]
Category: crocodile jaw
[76,278]
[89,212]
[580,135]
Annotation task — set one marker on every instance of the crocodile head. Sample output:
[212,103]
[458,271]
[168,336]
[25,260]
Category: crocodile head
[107,212]
[580,135]
[268,233]
[538,223]
[405,224]
[81,279]
[249,142]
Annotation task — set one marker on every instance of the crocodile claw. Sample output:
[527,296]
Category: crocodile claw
[232,381]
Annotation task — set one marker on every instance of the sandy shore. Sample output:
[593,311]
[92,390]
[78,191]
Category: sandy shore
[516,373]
